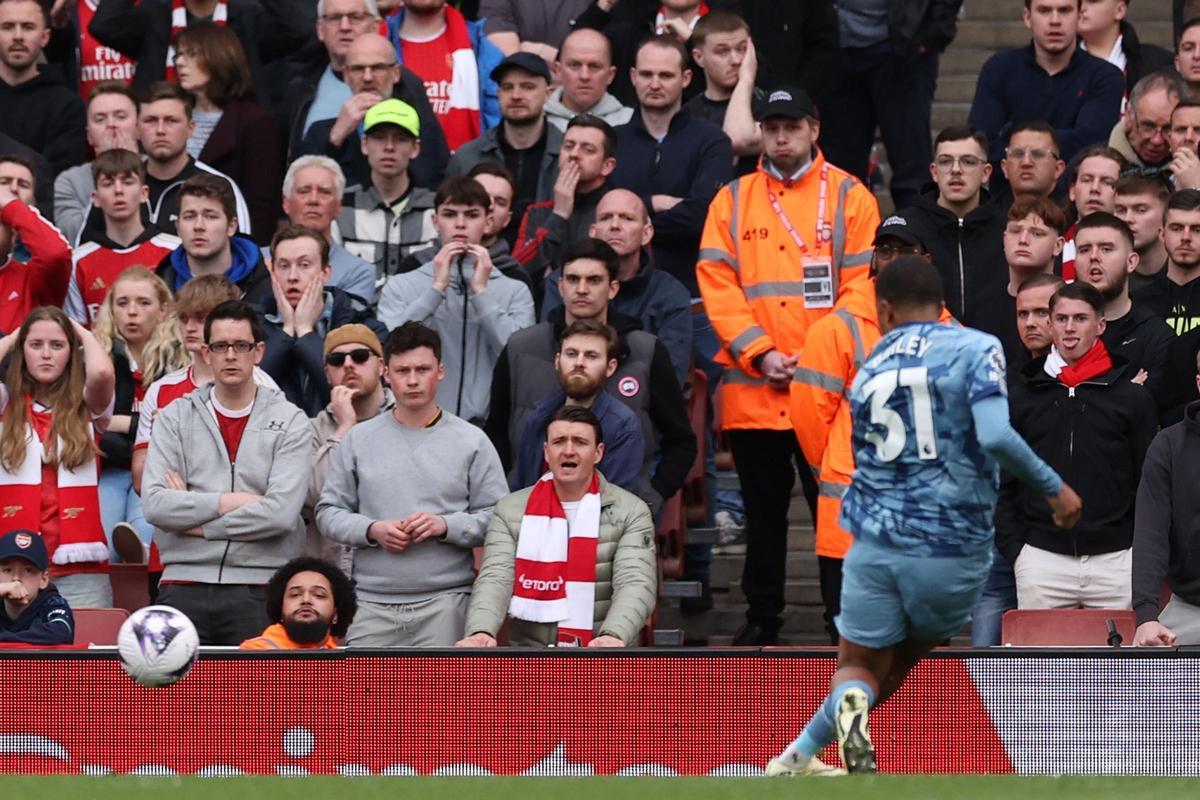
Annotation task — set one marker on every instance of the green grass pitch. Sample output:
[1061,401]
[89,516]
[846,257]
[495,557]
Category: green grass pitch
[883,787]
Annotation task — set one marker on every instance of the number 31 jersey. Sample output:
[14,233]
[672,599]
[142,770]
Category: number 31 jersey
[922,483]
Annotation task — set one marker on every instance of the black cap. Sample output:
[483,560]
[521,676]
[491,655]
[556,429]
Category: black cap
[24,544]
[900,228]
[788,102]
[526,61]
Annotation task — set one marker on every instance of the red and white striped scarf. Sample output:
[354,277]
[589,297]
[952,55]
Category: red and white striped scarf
[179,22]
[80,531]
[555,575]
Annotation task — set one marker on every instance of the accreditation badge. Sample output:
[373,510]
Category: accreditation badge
[818,282]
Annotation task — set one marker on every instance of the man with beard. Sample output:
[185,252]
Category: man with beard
[1106,259]
[524,141]
[354,370]
[586,159]
[310,604]
[586,358]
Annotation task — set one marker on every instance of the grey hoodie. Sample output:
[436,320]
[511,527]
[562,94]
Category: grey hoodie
[474,330]
[607,108]
[274,460]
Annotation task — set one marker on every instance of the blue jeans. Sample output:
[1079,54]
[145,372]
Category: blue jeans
[120,503]
[999,595]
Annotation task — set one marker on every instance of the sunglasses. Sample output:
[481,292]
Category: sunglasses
[359,356]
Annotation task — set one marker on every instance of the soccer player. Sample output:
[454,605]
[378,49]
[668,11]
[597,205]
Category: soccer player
[930,425]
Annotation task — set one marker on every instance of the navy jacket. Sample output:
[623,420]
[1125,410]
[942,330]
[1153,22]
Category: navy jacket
[298,363]
[47,620]
[693,161]
[1082,103]
[624,446]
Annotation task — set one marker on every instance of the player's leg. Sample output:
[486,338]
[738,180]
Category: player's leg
[870,623]
[904,657]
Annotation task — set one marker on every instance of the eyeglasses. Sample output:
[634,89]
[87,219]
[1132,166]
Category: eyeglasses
[357,18]
[1148,128]
[1035,153]
[892,250]
[220,348]
[946,163]
[361,69]
[359,356]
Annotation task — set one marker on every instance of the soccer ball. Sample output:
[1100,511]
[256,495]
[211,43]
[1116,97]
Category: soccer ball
[157,645]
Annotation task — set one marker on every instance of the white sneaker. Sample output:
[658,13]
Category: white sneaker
[731,537]
[783,767]
[854,737]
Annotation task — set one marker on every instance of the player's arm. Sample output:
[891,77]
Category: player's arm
[997,436]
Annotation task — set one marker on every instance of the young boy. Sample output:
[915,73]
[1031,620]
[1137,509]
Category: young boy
[34,611]
[120,192]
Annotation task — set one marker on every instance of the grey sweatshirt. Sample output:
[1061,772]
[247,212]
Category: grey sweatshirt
[607,108]
[274,460]
[504,308]
[386,471]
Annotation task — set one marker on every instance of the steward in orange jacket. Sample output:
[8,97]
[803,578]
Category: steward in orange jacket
[275,637]
[837,344]
[778,246]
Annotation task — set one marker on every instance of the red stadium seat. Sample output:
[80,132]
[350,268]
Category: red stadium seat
[695,496]
[130,586]
[98,625]
[1065,627]
[672,528]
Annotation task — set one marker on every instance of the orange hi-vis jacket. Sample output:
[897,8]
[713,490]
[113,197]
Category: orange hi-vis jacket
[837,345]
[275,638]
[753,273]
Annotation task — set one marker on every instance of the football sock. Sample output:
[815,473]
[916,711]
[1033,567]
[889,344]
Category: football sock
[820,730]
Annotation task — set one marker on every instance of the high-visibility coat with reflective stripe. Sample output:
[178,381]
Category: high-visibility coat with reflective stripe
[837,345]
[751,277]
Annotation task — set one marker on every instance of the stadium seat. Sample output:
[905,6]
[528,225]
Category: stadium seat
[98,625]
[1065,627]
[130,586]
[672,528]
[695,494]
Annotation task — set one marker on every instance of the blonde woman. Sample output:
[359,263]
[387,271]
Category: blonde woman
[56,397]
[138,330]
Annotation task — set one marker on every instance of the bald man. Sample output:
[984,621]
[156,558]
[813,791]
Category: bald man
[655,297]
[584,68]
[339,138]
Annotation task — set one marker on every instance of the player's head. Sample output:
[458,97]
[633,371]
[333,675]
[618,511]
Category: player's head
[1076,320]
[312,599]
[907,290]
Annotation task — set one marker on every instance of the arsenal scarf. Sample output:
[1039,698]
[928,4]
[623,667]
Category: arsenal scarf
[555,575]
[1095,362]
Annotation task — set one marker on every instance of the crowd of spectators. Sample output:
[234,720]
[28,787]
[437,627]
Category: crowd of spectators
[375,322]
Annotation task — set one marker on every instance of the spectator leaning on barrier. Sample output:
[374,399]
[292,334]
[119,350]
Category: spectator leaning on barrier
[660,301]
[834,349]
[311,605]
[1141,134]
[224,530]
[302,309]
[389,217]
[569,560]
[112,124]
[584,70]
[411,491]
[34,612]
[1140,203]
[1164,536]
[354,371]
[778,247]
[1077,409]
[463,296]
[1051,79]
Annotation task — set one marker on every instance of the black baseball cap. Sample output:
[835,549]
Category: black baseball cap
[24,544]
[898,227]
[526,61]
[787,102]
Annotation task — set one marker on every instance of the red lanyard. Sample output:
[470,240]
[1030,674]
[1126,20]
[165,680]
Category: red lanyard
[823,234]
